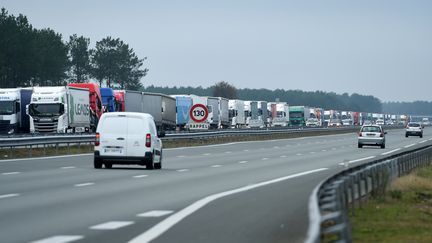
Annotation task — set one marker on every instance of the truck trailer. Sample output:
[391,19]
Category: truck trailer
[95,99]
[13,116]
[236,113]
[59,109]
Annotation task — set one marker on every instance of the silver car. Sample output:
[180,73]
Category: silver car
[414,129]
[371,135]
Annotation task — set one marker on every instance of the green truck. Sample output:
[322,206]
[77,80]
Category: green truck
[298,115]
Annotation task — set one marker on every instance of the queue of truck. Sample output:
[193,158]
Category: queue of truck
[77,108]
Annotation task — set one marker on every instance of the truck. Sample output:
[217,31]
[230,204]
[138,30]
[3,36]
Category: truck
[59,109]
[263,113]
[280,113]
[214,112]
[298,115]
[13,116]
[347,118]
[247,112]
[314,119]
[108,99]
[224,121]
[119,100]
[95,99]
[183,105]
[162,107]
[332,118]
[256,119]
[236,113]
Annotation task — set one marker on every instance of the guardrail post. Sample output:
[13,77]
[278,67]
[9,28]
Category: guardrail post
[30,151]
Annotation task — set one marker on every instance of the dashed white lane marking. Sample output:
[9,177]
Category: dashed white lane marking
[9,195]
[11,173]
[140,176]
[424,141]
[84,184]
[183,170]
[243,162]
[68,167]
[172,220]
[60,239]
[283,156]
[216,166]
[246,150]
[264,158]
[312,152]
[155,213]
[299,154]
[207,154]
[391,151]
[430,139]
[180,156]
[276,147]
[113,225]
[409,145]
[228,152]
[333,148]
[358,160]
[324,150]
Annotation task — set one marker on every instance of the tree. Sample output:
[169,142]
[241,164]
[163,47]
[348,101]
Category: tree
[79,56]
[224,89]
[117,64]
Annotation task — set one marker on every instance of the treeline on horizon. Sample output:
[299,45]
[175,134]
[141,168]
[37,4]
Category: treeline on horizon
[325,100]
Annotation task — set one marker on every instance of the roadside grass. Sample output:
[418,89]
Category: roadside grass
[403,214]
[51,150]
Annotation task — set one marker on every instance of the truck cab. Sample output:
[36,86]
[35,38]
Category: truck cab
[13,117]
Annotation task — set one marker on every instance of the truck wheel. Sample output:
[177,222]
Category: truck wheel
[97,163]
[108,165]
[421,135]
[383,146]
[359,145]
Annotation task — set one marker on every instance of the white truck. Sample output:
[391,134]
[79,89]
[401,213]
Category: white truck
[59,109]
[347,118]
[281,117]
[256,115]
[13,116]
[236,113]
[224,121]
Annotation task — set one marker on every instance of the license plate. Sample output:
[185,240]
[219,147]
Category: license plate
[371,134]
[113,150]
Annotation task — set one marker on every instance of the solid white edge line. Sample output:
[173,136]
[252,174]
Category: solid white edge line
[409,145]
[68,167]
[140,176]
[42,158]
[11,173]
[172,220]
[60,239]
[216,166]
[183,170]
[243,162]
[9,195]
[424,141]
[357,160]
[112,225]
[392,151]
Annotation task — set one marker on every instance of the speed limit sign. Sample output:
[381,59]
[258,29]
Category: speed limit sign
[198,113]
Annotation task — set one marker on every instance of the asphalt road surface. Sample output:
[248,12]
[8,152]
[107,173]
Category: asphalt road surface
[238,192]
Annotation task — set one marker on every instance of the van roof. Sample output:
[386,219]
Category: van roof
[128,114]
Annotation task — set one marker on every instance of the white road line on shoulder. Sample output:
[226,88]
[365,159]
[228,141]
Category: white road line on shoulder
[424,141]
[283,156]
[299,154]
[68,167]
[11,173]
[60,239]
[409,145]
[113,225]
[183,170]
[206,154]
[430,139]
[324,150]
[9,195]
[180,156]
[264,158]
[172,220]
[216,166]
[84,184]
[391,151]
[155,213]
[45,158]
[358,160]
[243,162]
[140,176]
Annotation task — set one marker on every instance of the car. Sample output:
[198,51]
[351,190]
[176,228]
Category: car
[414,129]
[379,122]
[127,138]
[312,122]
[371,135]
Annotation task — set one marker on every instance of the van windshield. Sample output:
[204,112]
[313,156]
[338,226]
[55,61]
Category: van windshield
[7,107]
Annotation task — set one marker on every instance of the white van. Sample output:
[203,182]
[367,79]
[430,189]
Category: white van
[127,138]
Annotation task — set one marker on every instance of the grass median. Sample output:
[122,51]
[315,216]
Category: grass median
[402,214]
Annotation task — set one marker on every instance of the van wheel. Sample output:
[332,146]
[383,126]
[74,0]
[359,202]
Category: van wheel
[159,165]
[97,163]
[150,164]
[108,165]
[359,145]
[421,135]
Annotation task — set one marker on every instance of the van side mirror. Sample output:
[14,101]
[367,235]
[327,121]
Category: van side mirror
[161,134]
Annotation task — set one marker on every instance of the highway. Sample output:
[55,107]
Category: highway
[238,192]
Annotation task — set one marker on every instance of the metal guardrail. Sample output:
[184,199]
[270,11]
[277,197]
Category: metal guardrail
[334,199]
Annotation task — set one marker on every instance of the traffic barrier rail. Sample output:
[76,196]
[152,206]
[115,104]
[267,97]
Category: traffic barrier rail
[334,199]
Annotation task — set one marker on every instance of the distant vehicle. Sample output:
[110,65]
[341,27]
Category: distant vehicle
[13,116]
[280,113]
[298,115]
[119,100]
[108,99]
[256,120]
[414,129]
[426,122]
[380,122]
[223,112]
[127,138]
[373,135]
[236,113]
[347,118]
[95,99]
[59,109]
[312,122]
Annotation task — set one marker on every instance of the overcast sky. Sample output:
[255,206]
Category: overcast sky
[372,47]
